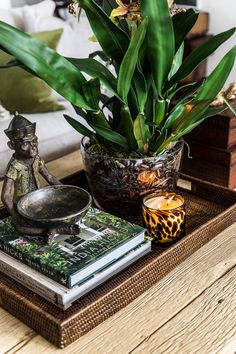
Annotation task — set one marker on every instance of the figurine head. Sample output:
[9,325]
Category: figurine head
[23,140]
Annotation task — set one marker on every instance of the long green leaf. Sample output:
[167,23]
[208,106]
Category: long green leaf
[128,126]
[191,114]
[198,55]
[182,24]
[150,105]
[99,118]
[188,90]
[210,112]
[141,90]
[108,6]
[216,80]
[160,39]
[156,144]
[80,127]
[111,135]
[178,59]
[141,133]
[100,54]
[54,69]
[130,61]
[92,93]
[159,112]
[112,39]
[95,69]
[175,117]
[81,113]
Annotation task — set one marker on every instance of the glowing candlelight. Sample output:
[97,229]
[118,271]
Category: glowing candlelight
[164,216]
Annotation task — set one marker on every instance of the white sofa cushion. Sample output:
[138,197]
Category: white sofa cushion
[56,137]
[74,41]
[14,16]
[5,4]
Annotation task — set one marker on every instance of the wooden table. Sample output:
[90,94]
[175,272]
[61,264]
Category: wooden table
[191,310]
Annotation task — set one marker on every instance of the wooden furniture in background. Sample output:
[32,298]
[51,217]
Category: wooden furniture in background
[213,150]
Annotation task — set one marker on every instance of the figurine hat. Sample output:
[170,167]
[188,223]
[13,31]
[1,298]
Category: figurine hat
[20,128]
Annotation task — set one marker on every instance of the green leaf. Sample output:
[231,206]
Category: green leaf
[54,69]
[107,102]
[210,112]
[112,39]
[128,126]
[157,145]
[92,93]
[110,135]
[191,114]
[141,133]
[150,105]
[160,112]
[95,69]
[198,55]
[108,6]
[81,113]
[182,24]
[175,117]
[100,54]
[160,39]
[99,118]
[80,127]
[188,91]
[130,61]
[216,80]
[213,111]
[140,85]
[178,59]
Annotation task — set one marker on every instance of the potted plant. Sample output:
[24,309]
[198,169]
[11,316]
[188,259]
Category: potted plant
[136,148]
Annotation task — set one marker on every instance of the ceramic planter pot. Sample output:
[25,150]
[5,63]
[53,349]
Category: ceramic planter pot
[118,185]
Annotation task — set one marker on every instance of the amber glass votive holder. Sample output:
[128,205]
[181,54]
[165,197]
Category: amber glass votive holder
[164,217]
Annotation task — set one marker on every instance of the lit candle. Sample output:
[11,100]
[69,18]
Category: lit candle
[164,216]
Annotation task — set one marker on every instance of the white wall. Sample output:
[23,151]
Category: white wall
[222,17]
[17,3]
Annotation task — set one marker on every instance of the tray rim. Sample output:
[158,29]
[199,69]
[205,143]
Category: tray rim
[83,320]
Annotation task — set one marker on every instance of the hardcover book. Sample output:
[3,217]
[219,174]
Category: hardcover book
[71,260]
[58,294]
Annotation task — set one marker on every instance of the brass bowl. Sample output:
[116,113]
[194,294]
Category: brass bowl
[54,206]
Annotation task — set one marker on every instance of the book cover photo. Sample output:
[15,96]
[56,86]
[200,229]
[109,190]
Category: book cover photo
[69,260]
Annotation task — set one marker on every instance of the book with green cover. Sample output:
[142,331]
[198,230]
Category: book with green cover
[70,260]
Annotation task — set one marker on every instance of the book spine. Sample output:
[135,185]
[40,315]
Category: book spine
[51,273]
[28,282]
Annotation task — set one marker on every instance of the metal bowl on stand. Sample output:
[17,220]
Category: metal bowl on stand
[54,206]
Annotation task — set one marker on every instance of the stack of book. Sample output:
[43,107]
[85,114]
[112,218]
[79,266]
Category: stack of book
[72,265]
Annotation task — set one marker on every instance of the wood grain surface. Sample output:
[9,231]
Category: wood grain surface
[191,310]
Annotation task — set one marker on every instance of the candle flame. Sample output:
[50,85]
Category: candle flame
[170,199]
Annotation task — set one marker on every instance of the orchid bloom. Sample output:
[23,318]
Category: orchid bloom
[124,9]
[130,9]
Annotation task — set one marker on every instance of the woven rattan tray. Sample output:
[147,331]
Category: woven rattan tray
[210,209]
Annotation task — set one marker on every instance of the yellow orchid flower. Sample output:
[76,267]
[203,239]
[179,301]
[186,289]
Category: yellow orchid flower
[126,9]
[121,10]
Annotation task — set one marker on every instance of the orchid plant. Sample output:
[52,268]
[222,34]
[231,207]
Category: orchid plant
[149,107]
